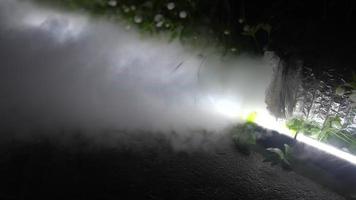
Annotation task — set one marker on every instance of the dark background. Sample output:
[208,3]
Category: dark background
[321,32]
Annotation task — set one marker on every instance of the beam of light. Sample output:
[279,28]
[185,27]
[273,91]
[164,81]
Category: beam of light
[66,26]
[226,106]
[327,148]
[266,120]
[280,127]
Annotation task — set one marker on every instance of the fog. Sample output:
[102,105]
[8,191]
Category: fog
[65,70]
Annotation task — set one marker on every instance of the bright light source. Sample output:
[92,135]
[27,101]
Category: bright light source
[279,126]
[266,120]
[327,148]
[226,106]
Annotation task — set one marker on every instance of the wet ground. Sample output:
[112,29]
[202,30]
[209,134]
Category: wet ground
[143,166]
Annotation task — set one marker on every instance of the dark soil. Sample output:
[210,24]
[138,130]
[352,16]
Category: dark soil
[143,166]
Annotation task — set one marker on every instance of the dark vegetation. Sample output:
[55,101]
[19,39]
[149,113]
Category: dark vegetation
[320,32]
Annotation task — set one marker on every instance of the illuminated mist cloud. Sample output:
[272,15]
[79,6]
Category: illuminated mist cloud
[69,70]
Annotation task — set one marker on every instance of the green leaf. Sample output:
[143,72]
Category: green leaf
[336,122]
[287,149]
[311,128]
[280,156]
[251,117]
[295,124]
[244,134]
[277,151]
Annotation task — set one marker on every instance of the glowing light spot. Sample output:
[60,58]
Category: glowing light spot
[269,122]
[227,107]
[264,119]
[246,28]
[252,117]
[171,6]
[327,148]
[112,3]
[158,18]
[138,19]
[159,24]
[183,14]
[125,9]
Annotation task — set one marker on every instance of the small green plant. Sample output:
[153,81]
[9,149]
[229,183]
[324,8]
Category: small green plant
[348,89]
[331,129]
[297,125]
[282,157]
[244,136]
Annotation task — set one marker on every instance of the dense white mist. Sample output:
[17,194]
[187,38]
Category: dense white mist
[61,70]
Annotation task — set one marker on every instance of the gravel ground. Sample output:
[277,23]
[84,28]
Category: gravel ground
[144,166]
